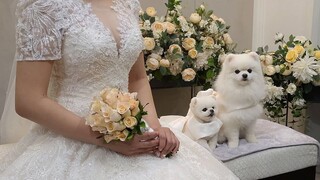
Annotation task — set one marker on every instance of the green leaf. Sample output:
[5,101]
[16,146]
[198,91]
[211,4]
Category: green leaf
[308,88]
[163,71]
[209,74]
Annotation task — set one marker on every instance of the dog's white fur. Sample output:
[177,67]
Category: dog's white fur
[239,99]
[202,125]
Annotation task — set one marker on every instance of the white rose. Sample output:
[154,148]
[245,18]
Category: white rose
[277,67]
[152,63]
[270,70]
[202,7]
[195,18]
[302,39]
[130,121]
[149,43]
[164,63]
[188,74]
[291,89]
[151,11]
[278,37]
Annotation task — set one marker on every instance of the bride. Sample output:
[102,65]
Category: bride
[67,51]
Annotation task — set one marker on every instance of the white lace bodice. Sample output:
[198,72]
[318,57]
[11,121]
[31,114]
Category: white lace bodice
[89,57]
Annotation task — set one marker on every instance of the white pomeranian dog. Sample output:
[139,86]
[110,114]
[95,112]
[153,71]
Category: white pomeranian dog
[241,88]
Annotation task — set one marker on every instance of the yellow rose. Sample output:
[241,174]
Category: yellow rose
[171,28]
[193,53]
[227,39]
[130,121]
[188,74]
[123,107]
[291,56]
[164,63]
[299,49]
[152,63]
[195,18]
[188,43]
[317,54]
[175,48]
[151,11]
[149,43]
[123,135]
[208,42]
[158,27]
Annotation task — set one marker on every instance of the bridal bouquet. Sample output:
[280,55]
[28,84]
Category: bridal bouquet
[116,115]
[291,72]
[179,48]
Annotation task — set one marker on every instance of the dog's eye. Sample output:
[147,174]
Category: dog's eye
[237,71]
[212,107]
[204,109]
[249,70]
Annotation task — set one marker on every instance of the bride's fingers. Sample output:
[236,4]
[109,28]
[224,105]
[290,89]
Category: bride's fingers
[175,150]
[149,144]
[147,136]
[170,145]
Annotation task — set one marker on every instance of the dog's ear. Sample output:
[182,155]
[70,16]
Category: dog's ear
[214,94]
[229,58]
[255,56]
[193,101]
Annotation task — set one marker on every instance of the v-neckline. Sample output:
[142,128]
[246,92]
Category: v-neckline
[117,45]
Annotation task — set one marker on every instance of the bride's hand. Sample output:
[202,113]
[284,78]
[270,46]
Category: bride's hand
[140,144]
[169,143]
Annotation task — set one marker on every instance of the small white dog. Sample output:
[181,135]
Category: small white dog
[201,124]
[241,87]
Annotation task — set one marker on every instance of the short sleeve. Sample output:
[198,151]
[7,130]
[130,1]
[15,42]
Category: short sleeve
[136,8]
[39,31]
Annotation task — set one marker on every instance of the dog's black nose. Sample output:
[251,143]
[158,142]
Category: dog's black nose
[211,112]
[245,76]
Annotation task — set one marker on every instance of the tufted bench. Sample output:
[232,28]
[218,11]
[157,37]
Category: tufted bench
[281,153]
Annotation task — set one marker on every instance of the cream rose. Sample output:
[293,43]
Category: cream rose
[130,121]
[188,74]
[95,120]
[152,63]
[149,43]
[114,126]
[109,138]
[164,63]
[123,107]
[158,27]
[155,56]
[122,135]
[188,43]
[227,38]
[195,18]
[291,89]
[317,54]
[285,69]
[171,28]
[151,11]
[291,56]
[299,49]
[302,39]
[268,60]
[208,42]
[133,104]
[175,48]
[96,105]
[135,111]
[193,53]
[270,70]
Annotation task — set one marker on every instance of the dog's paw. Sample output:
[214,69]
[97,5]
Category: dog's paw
[251,139]
[233,144]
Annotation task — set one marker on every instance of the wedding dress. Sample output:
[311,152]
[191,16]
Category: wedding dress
[92,57]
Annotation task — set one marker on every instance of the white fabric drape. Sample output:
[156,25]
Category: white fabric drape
[12,126]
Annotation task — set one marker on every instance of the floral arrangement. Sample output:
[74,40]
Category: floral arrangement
[184,50]
[291,72]
[116,115]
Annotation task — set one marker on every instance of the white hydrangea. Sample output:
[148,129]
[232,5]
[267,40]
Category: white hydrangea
[273,92]
[299,102]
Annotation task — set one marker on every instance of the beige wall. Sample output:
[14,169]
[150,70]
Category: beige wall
[7,47]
